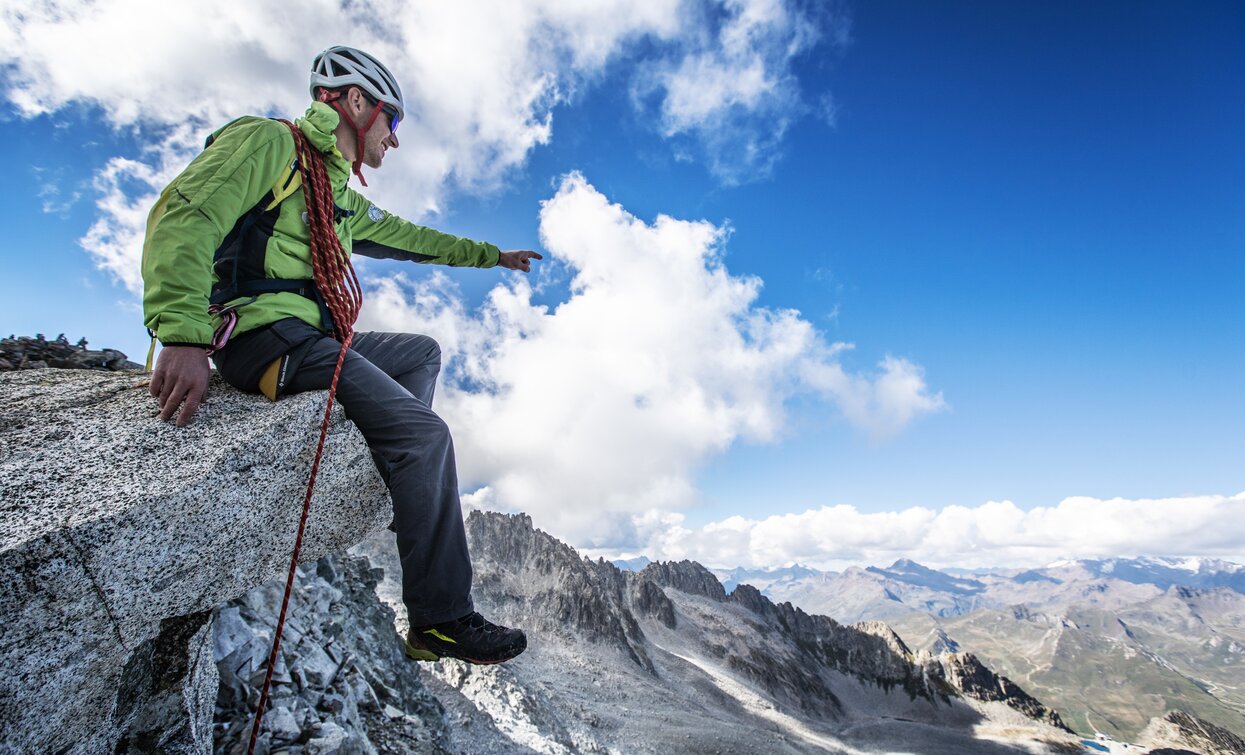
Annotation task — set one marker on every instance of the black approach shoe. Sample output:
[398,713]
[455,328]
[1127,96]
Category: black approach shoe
[472,638]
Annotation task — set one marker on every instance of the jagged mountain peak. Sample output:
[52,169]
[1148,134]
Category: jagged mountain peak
[943,643]
[550,588]
[632,564]
[687,576]
[907,564]
[911,573]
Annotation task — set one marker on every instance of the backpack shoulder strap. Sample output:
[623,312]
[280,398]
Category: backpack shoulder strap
[286,185]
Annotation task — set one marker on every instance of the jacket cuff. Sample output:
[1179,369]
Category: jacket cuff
[175,331]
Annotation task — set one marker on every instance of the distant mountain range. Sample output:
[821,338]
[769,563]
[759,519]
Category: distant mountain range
[663,660]
[1110,644]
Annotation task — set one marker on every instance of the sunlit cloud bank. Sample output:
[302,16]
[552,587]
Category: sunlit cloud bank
[481,80]
[592,414]
[992,534]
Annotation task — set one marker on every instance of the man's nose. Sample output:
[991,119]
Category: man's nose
[393,140]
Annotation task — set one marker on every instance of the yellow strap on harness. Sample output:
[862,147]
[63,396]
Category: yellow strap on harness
[268,383]
[281,190]
[151,352]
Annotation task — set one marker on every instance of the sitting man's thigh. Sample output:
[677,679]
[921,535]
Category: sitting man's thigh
[397,353]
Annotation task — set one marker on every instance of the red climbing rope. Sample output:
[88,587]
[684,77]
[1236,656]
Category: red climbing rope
[339,287]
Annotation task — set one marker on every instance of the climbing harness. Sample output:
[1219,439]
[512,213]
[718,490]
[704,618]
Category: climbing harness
[338,287]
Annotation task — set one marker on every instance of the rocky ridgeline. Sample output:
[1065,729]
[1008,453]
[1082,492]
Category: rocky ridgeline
[534,580]
[969,675]
[869,651]
[341,683]
[1179,733]
[872,653]
[24,353]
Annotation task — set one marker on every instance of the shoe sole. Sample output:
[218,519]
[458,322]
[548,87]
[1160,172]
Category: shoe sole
[420,654]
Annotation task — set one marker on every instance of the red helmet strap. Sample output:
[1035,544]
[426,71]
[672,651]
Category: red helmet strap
[333,98]
[359,132]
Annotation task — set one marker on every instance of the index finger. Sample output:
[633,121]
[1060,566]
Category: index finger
[189,407]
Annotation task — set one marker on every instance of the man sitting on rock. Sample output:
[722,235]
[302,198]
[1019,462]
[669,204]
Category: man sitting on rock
[232,234]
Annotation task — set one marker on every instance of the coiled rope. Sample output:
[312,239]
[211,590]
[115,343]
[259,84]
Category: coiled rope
[339,287]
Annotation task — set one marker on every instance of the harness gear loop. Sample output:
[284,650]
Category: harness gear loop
[339,287]
[228,320]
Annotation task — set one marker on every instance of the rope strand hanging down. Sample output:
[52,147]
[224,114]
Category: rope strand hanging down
[339,286]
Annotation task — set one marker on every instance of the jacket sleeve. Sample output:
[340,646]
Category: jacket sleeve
[382,235]
[192,217]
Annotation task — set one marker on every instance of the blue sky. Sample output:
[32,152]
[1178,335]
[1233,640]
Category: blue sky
[1039,207]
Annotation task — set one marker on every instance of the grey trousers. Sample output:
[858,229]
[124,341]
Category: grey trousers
[386,389]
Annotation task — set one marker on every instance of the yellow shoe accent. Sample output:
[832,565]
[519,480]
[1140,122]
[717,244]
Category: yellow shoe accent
[419,654]
[440,636]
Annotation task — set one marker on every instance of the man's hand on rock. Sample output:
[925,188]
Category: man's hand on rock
[180,379]
[518,260]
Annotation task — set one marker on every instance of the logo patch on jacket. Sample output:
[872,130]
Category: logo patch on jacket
[375,213]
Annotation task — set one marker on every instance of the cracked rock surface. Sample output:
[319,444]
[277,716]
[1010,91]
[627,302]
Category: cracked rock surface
[119,533]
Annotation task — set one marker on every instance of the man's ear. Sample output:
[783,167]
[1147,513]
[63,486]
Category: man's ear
[356,100]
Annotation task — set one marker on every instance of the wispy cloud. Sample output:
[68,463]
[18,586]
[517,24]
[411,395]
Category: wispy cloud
[733,90]
[125,191]
[992,534]
[54,200]
[594,412]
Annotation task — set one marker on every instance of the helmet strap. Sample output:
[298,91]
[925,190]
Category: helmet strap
[334,100]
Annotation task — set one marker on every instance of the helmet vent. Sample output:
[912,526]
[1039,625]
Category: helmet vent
[340,66]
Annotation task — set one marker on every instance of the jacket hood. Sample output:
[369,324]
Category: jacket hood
[317,125]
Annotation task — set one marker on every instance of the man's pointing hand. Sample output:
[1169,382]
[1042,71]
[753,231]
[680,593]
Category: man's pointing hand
[518,260]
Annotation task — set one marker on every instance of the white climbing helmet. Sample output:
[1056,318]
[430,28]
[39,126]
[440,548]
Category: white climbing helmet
[341,66]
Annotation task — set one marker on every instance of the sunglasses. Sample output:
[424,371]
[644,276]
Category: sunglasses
[392,113]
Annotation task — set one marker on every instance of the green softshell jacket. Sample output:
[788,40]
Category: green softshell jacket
[196,231]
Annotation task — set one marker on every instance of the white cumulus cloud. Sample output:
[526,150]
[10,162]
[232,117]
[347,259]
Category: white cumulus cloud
[593,413]
[481,79]
[996,533]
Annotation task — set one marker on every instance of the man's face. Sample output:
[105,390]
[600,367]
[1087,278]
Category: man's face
[379,139]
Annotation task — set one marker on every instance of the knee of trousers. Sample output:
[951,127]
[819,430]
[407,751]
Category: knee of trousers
[426,438]
[424,345]
[434,352]
[438,432]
